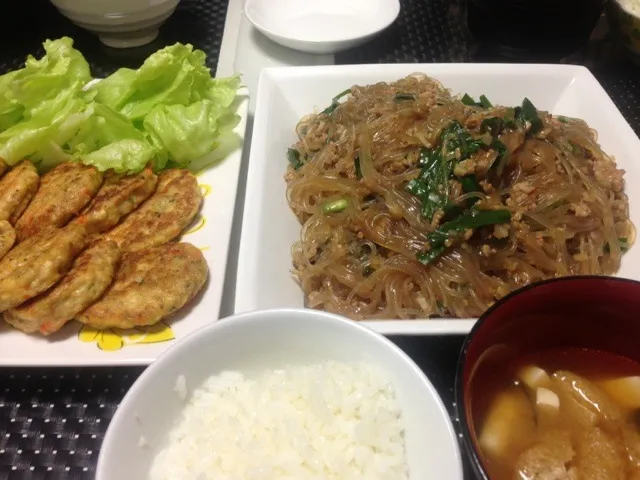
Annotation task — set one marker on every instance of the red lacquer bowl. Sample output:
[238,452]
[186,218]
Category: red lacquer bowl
[601,313]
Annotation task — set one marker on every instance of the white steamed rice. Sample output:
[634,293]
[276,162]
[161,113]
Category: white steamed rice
[327,421]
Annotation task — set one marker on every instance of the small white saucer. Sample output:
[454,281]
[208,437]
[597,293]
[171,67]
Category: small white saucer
[321,26]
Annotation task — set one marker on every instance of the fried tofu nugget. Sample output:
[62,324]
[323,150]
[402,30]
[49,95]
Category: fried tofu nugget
[7,237]
[17,188]
[37,263]
[118,196]
[89,277]
[63,192]
[150,285]
[163,216]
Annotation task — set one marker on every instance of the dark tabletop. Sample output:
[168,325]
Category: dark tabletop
[52,421]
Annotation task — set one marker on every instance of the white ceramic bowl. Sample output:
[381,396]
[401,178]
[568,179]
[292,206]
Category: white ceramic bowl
[324,26]
[119,23]
[274,338]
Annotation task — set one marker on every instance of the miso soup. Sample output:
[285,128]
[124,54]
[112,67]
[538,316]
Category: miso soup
[569,414]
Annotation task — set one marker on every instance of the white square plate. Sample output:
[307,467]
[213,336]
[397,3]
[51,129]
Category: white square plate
[210,232]
[286,94]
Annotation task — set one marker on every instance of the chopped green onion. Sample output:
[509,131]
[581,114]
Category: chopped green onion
[493,125]
[456,138]
[427,257]
[624,245]
[425,156]
[469,184]
[498,163]
[356,162]
[335,206]
[472,219]
[484,101]
[528,114]
[416,187]
[293,156]
[432,185]
[399,97]
[510,118]
[335,103]
[467,100]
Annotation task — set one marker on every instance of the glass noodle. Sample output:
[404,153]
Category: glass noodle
[417,203]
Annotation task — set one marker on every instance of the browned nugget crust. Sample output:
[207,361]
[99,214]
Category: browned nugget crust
[3,167]
[63,192]
[118,196]
[7,237]
[17,188]
[150,285]
[34,265]
[89,277]
[163,216]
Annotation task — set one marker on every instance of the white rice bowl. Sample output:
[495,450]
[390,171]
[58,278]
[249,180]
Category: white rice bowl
[329,421]
[281,394]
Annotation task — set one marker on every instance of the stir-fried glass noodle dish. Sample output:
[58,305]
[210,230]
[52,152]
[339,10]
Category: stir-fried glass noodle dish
[416,203]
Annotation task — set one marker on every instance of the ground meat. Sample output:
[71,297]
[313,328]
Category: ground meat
[437,216]
[501,231]
[465,167]
[487,187]
[455,189]
[399,166]
[486,250]
[520,193]
[621,207]
[484,162]
[581,209]
[608,175]
[317,136]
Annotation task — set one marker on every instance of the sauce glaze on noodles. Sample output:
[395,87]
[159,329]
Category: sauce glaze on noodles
[363,232]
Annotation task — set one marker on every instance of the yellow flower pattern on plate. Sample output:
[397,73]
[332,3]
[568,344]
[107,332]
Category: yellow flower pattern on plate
[205,190]
[200,223]
[113,339]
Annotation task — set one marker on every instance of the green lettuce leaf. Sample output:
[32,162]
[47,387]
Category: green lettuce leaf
[174,75]
[62,68]
[107,139]
[183,134]
[35,137]
[170,112]
[40,104]
[11,110]
[175,103]
[127,155]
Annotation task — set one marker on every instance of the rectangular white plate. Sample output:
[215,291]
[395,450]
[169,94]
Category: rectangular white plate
[286,94]
[210,232]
